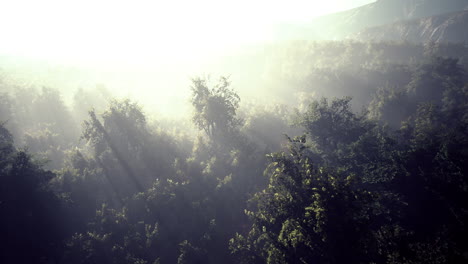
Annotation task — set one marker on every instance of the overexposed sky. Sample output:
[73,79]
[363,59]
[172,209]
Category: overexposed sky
[100,29]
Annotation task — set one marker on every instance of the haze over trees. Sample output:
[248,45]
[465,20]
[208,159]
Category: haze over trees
[352,152]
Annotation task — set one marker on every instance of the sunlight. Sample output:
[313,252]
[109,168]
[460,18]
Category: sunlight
[140,48]
[141,31]
[233,132]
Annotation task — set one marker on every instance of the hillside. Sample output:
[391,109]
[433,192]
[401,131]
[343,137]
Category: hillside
[339,25]
[443,28]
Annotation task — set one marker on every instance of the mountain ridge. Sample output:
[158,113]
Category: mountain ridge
[442,28]
[340,25]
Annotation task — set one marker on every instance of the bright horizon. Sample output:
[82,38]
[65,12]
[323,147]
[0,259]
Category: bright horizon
[135,31]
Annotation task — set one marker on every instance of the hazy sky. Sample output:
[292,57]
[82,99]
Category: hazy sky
[140,48]
[100,29]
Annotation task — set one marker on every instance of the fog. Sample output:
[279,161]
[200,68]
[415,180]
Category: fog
[147,50]
[151,132]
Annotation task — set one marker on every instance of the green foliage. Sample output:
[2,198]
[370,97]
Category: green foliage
[30,226]
[332,125]
[387,185]
[434,81]
[129,154]
[215,108]
[309,214]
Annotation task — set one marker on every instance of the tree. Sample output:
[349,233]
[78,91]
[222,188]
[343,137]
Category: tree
[31,225]
[130,155]
[310,214]
[342,139]
[215,108]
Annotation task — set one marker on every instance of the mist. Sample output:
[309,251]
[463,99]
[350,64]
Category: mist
[233,132]
[141,48]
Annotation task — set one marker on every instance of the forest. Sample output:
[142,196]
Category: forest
[362,158]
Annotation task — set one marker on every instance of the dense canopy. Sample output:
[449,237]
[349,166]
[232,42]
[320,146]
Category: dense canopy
[366,165]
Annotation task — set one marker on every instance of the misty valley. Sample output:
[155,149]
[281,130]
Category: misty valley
[293,151]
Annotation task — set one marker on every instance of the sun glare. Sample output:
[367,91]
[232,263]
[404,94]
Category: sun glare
[143,30]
